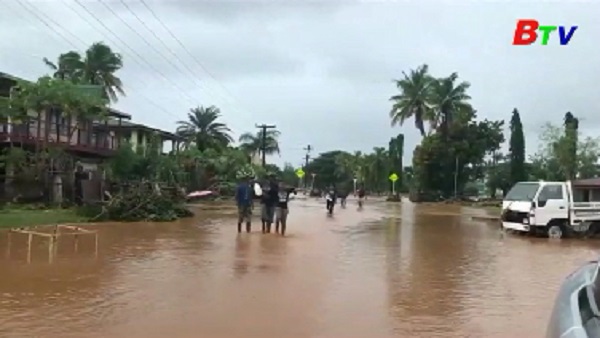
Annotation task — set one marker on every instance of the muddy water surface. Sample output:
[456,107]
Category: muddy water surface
[386,271]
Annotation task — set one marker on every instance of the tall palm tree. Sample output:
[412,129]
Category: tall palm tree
[98,67]
[251,143]
[448,99]
[413,100]
[203,129]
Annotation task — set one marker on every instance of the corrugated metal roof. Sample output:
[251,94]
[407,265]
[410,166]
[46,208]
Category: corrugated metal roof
[113,123]
[587,182]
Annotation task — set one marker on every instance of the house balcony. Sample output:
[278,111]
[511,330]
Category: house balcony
[73,138]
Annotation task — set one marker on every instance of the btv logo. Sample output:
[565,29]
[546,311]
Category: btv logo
[526,32]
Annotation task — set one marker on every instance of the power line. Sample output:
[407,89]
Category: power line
[200,84]
[151,101]
[140,36]
[69,42]
[186,50]
[51,27]
[148,64]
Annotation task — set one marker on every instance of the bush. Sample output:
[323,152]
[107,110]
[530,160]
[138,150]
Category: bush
[141,202]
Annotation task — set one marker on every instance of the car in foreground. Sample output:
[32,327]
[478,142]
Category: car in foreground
[576,313]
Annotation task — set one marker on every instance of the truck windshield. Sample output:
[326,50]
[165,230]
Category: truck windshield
[522,192]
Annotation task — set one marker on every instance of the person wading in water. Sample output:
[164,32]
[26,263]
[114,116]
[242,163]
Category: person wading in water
[282,211]
[269,201]
[343,195]
[243,198]
[361,196]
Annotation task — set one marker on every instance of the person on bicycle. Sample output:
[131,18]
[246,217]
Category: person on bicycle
[331,198]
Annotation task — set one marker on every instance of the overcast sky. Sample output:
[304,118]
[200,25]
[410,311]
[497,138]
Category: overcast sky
[320,70]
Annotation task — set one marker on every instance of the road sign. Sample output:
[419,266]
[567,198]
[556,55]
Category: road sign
[393,177]
[300,173]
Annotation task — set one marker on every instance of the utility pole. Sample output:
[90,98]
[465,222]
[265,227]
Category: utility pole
[263,145]
[306,158]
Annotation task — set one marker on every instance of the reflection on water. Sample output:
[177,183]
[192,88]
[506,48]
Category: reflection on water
[386,270]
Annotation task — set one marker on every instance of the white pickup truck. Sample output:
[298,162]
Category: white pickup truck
[553,208]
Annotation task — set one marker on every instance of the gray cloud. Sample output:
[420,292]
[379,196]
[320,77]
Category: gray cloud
[322,70]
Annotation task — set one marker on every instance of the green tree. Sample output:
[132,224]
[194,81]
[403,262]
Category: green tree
[517,149]
[97,67]
[324,166]
[288,175]
[448,99]
[461,153]
[204,130]
[378,164]
[80,103]
[396,153]
[251,144]
[554,159]
[569,143]
[413,101]
[498,175]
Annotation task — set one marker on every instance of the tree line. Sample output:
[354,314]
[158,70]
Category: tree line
[459,150]
[456,150]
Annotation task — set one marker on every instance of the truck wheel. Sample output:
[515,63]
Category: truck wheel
[554,231]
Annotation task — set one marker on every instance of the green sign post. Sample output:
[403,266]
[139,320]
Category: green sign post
[393,177]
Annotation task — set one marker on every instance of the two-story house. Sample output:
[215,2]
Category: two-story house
[80,137]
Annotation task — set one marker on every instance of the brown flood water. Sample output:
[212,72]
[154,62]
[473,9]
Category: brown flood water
[395,270]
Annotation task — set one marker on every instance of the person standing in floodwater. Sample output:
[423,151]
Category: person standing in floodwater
[282,211]
[269,201]
[243,198]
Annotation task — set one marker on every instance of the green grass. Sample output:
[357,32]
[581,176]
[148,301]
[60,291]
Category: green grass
[13,217]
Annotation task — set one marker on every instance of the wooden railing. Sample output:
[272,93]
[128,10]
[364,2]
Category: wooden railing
[38,131]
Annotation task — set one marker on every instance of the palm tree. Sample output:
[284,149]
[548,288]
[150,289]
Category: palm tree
[203,129]
[413,100]
[98,67]
[448,99]
[68,67]
[251,144]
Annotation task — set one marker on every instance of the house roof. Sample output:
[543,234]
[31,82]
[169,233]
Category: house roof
[588,182]
[127,125]
[10,77]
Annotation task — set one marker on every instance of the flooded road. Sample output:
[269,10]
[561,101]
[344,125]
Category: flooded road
[395,270]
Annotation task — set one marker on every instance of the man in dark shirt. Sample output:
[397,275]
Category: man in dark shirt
[243,198]
[269,203]
[282,208]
